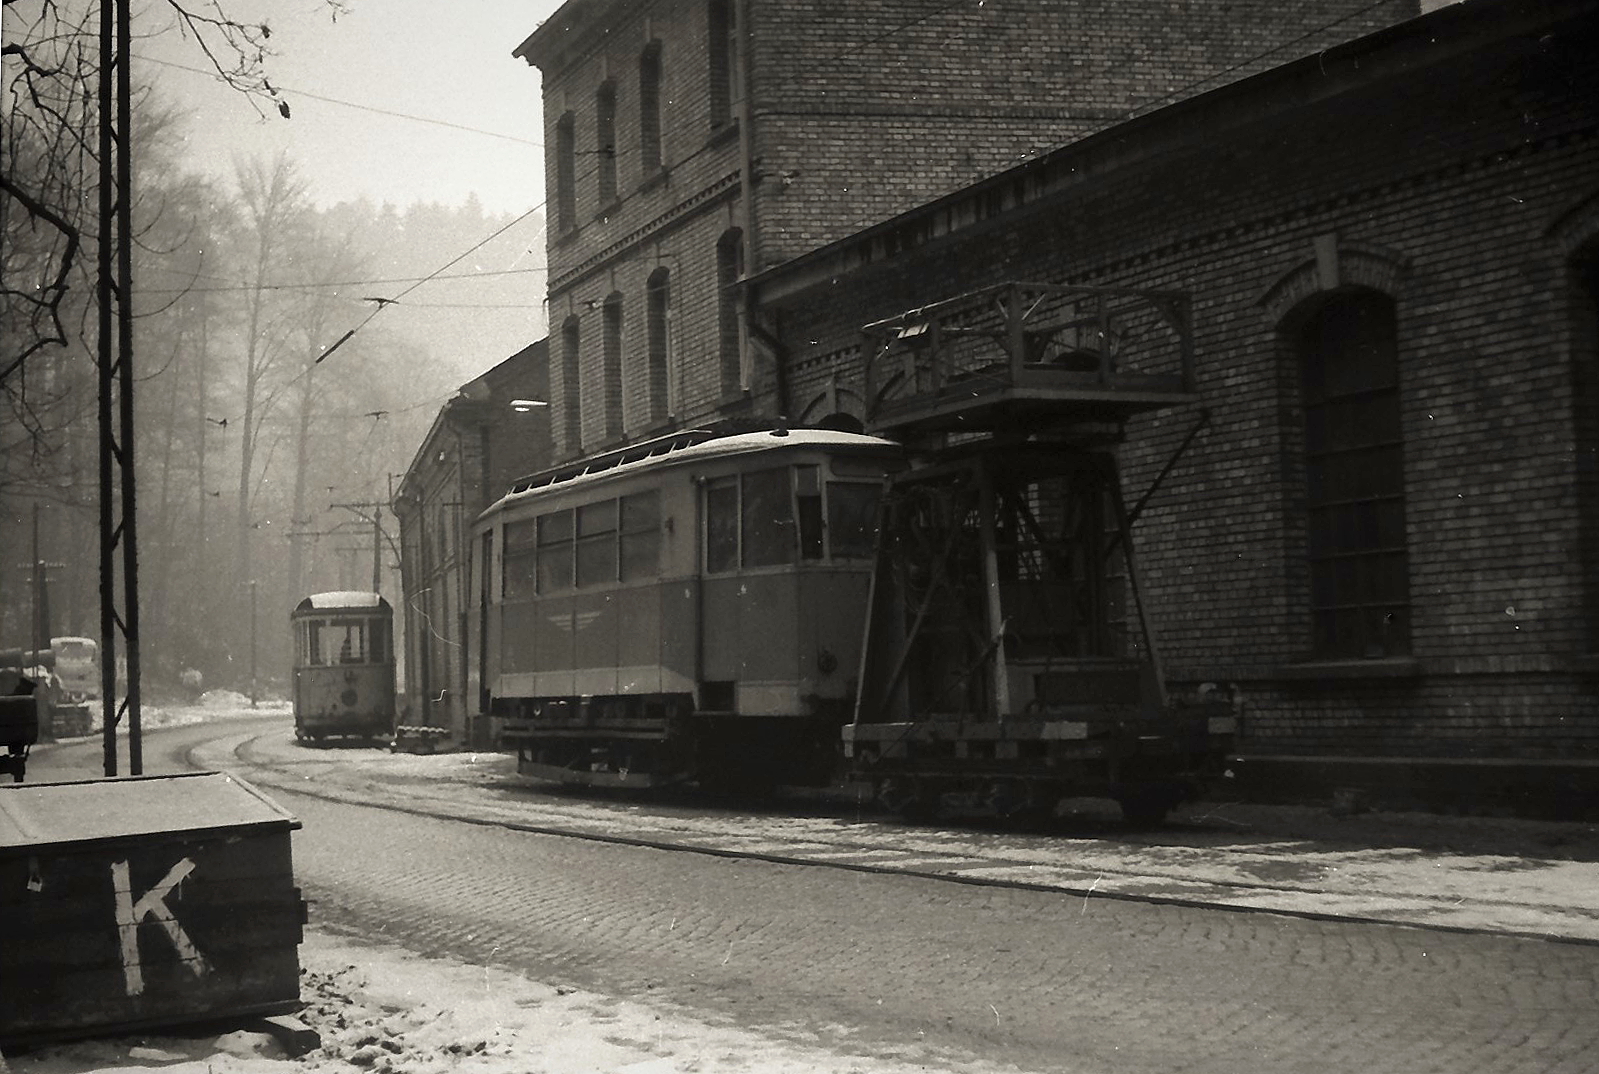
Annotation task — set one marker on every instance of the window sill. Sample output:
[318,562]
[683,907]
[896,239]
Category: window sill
[657,178]
[608,210]
[723,132]
[1395,667]
[568,235]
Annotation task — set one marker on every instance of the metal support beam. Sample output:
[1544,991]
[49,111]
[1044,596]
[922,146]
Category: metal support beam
[119,613]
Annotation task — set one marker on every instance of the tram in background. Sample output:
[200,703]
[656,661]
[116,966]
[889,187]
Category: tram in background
[689,608]
[343,666]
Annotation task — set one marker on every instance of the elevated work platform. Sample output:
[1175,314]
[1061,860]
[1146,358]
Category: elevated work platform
[1032,354]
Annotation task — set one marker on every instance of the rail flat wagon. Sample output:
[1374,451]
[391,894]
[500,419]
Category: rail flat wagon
[343,666]
[690,608]
[1011,660]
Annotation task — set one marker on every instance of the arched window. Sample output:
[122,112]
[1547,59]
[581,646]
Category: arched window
[729,269]
[571,393]
[649,109]
[719,42]
[566,172]
[612,372]
[605,141]
[657,318]
[1354,477]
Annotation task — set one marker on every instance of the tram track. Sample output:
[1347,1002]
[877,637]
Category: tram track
[892,852]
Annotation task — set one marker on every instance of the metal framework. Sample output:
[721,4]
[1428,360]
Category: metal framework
[118,517]
[1030,352]
[1009,652]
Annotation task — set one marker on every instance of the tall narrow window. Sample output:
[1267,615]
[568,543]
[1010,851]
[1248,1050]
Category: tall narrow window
[1354,473]
[605,142]
[566,172]
[658,314]
[719,33]
[571,389]
[729,269]
[612,377]
[649,109]
[1585,414]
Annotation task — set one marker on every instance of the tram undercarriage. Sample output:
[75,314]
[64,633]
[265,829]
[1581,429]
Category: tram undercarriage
[641,741]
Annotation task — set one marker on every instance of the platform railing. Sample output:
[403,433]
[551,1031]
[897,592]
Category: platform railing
[1035,341]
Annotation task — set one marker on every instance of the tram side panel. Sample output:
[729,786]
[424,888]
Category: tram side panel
[736,667]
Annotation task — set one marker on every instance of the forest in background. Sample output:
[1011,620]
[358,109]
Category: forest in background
[246,446]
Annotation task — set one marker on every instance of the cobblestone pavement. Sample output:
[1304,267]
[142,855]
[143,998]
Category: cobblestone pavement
[934,971]
[919,967]
[1476,873]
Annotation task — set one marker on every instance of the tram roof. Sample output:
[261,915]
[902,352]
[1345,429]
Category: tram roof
[343,598]
[692,446]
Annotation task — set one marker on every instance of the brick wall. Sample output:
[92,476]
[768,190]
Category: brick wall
[1445,187]
[858,111]
[865,110]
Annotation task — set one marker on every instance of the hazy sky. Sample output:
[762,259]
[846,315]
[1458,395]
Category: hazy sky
[448,62]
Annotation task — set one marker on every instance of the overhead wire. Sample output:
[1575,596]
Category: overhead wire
[352,104]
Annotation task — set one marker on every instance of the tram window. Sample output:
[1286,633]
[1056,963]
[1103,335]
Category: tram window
[555,552]
[721,525]
[641,535]
[808,502]
[596,543]
[767,518]
[517,560]
[312,656]
[349,636]
[852,518]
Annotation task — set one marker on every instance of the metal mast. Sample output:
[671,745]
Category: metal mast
[115,357]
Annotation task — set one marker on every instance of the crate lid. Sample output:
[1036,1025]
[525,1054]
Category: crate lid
[34,815]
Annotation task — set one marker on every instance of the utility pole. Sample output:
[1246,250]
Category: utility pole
[41,590]
[118,517]
[252,643]
[378,536]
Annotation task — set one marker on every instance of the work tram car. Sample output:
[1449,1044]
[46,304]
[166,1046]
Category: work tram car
[687,609]
[343,666]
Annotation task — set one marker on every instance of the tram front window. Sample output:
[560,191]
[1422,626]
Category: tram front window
[338,641]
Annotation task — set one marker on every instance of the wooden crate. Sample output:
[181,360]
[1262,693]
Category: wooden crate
[128,903]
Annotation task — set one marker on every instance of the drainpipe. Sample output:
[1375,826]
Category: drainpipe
[742,38]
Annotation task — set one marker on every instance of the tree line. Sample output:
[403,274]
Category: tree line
[256,462]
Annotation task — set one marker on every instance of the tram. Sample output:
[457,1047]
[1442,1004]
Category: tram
[343,666]
[690,608]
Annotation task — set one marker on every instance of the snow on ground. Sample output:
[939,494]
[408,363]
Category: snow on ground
[382,1010]
[211,705]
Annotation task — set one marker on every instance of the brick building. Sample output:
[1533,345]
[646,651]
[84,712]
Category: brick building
[1388,532]
[694,142]
[477,446]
